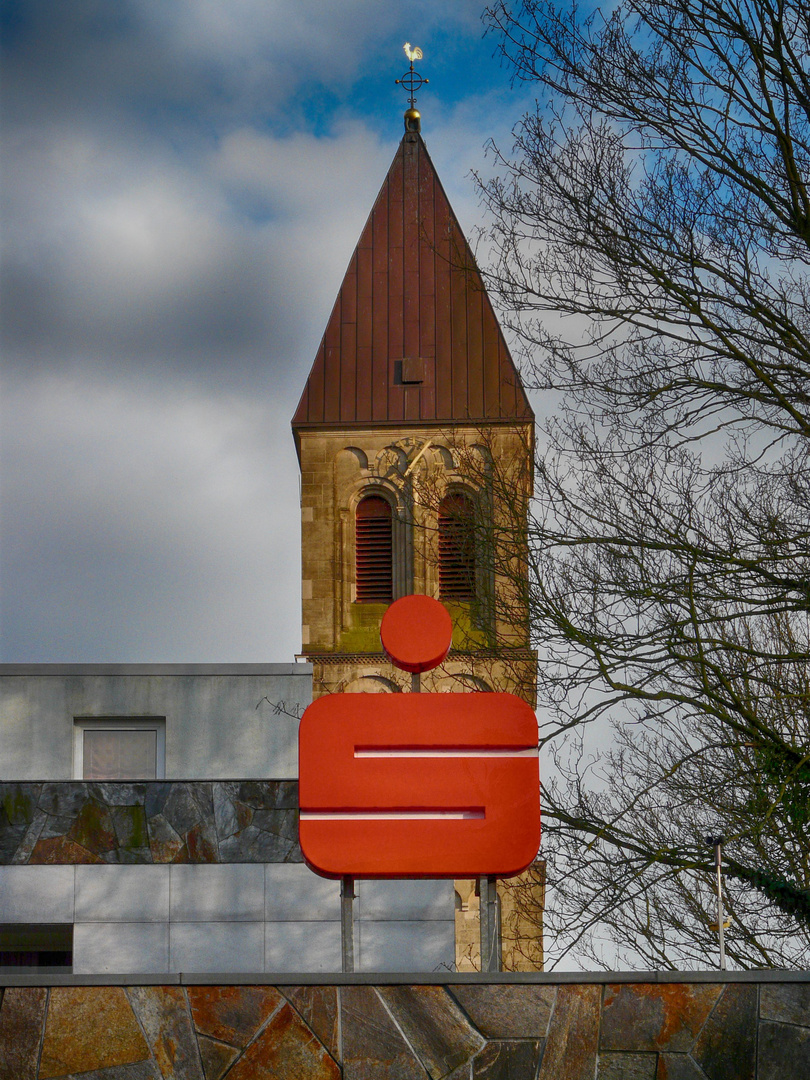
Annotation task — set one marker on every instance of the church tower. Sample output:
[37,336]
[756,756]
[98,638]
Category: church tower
[413,434]
[414,437]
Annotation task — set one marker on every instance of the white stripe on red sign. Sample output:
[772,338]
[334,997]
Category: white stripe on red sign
[388,815]
[443,751]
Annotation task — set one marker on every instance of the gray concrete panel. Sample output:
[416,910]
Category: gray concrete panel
[108,670]
[37,894]
[216,946]
[99,948]
[217,893]
[405,946]
[302,946]
[221,721]
[122,893]
[293,893]
[404,901]
[37,734]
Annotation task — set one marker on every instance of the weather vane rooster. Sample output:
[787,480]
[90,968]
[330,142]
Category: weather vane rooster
[412,81]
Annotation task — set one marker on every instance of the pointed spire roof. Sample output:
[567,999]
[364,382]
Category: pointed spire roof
[412,338]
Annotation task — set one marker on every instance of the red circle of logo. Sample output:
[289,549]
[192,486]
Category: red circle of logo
[416,633]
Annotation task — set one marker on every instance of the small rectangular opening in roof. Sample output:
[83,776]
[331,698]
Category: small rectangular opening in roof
[413,369]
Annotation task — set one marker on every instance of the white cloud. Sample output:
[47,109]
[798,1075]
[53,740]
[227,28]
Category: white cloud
[147,525]
[302,175]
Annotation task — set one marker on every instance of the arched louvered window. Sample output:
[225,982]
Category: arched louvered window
[374,550]
[456,548]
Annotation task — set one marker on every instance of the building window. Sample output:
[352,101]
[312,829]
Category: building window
[120,748]
[374,549]
[456,548]
[39,947]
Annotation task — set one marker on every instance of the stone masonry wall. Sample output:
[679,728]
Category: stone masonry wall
[412,468]
[169,821]
[678,1030]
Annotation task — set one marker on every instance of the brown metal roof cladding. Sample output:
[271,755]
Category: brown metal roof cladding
[412,338]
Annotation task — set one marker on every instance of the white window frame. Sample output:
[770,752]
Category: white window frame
[119,723]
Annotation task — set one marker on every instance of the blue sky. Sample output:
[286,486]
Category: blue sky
[183,184]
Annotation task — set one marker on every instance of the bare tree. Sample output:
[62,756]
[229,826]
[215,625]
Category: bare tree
[651,236]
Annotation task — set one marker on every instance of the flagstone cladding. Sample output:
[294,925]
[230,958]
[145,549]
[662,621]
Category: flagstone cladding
[169,821]
[751,1028]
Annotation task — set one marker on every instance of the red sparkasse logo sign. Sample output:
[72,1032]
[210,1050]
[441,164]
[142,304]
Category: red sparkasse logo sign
[418,785]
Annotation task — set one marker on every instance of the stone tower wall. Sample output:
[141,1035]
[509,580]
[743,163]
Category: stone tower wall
[413,469]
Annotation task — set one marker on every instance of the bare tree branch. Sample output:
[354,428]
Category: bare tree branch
[651,240]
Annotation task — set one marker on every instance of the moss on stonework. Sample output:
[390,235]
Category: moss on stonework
[363,636]
[93,828]
[364,633]
[19,803]
[130,827]
[467,635]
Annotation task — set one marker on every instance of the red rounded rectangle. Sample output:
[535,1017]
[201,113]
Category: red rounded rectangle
[434,785]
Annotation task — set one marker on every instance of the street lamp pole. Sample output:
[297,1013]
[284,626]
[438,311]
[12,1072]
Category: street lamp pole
[717,843]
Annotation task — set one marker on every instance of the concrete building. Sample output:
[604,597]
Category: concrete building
[148,823]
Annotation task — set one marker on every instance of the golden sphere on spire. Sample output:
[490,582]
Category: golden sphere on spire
[413,119]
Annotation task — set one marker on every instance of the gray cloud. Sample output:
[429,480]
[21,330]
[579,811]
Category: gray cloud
[91,57]
[183,185]
[189,264]
[146,523]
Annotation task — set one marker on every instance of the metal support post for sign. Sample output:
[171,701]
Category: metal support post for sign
[416,682]
[490,937]
[347,922]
